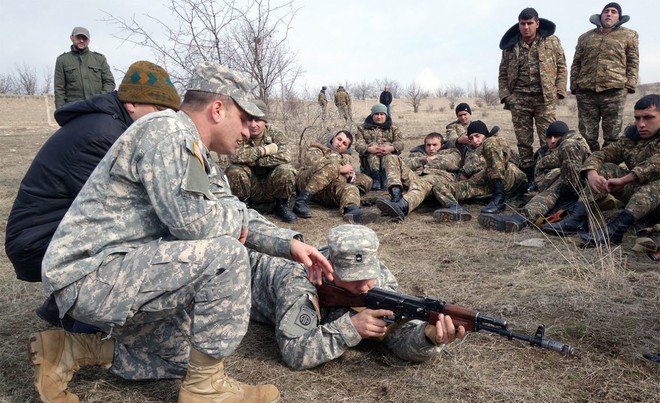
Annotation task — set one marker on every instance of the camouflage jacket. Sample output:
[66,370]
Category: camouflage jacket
[323,100]
[370,134]
[475,162]
[454,130]
[250,152]
[447,160]
[81,74]
[342,98]
[309,336]
[641,156]
[605,61]
[156,183]
[552,62]
[318,152]
[563,163]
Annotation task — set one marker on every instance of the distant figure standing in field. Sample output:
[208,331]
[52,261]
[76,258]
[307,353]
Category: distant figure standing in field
[605,69]
[81,73]
[323,103]
[386,99]
[532,77]
[343,103]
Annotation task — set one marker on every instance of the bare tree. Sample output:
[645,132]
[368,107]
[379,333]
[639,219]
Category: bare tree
[7,84]
[27,81]
[415,95]
[455,91]
[362,90]
[489,95]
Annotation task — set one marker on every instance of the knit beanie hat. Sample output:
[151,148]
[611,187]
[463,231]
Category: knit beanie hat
[379,108]
[557,128]
[612,5]
[148,83]
[263,108]
[477,126]
[463,107]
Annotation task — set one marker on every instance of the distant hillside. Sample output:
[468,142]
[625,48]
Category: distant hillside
[651,88]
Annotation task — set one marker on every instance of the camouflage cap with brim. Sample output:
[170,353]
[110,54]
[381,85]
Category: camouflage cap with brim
[216,78]
[353,251]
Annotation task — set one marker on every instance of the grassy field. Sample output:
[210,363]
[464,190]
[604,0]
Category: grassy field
[604,302]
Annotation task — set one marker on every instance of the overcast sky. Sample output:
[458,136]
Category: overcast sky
[436,43]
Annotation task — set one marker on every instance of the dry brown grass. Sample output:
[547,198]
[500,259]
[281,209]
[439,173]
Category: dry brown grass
[605,303]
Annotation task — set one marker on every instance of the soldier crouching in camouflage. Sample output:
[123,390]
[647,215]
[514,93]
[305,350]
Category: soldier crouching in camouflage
[558,177]
[261,170]
[487,171]
[638,186]
[328,178]
[152,252]
[430,164]
[308,335]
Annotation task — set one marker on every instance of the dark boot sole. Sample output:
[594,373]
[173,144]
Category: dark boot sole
[450,216]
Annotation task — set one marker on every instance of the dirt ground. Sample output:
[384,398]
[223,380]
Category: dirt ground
[606,303]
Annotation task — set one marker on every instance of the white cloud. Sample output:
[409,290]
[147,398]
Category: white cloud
[427,80]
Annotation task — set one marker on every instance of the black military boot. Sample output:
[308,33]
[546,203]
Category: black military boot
[355,215]
[282,211]
[300,207]
[377,177]
[383,179]
[496,203]
[397,210]
[396,193]
[531,180]
[611,234]
[503,223]
[577,221]
[453,212]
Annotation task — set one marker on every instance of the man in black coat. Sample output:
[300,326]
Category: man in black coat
[386,99]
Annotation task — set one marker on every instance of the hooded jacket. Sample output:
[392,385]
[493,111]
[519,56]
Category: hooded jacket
[56,175]
[606,60]
[552,62]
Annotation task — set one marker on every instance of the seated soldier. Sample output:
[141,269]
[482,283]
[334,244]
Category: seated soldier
[308,335]
[432,162]
[260,171]
[328,178]
[377,141]
[637,185]
[457,130]
[487,170]
[557,175]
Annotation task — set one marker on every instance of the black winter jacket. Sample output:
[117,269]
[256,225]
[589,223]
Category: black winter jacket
[56,175]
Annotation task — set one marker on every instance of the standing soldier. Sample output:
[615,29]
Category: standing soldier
[343,103]
[386,99]
[532,76]
[323,103]
[81,73]
[605,69]
[261,170]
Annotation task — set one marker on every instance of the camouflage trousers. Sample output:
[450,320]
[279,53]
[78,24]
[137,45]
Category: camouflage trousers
[397,171]
[163,298]
[421,188]
[641,200]
[528,110]
[543,202]
[544,181]
[605,108]
[245,183]
[329,187]
[345,113]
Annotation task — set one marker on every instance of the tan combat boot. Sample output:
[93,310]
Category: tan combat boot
[207,382]
[58,354]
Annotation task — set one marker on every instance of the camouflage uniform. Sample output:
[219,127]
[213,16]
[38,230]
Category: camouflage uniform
[343,104]
[149,251]
[605,68]
[309,336]
[371,134]
[488,162]
[531,77]
[560,167]
[454,130]
[262,179]
[443,169]
[321,177]
[323,103]
[642,159]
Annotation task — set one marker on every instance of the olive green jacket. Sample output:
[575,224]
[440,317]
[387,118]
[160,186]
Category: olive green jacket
[80,75]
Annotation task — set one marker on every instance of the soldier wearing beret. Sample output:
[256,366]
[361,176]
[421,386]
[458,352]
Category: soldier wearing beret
[308,335]
[154,252]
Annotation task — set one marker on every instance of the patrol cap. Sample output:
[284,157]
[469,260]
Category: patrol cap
[80,31]
[216,78]
[353,252]
[263,108]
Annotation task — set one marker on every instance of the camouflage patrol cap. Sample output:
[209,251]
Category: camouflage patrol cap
[216,78]
[263,108]
[353,252]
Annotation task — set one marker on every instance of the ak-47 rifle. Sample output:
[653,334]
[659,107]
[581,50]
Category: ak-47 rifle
[429,309]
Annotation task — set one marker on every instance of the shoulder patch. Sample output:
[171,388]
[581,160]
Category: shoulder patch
[197,179]
[300,319]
